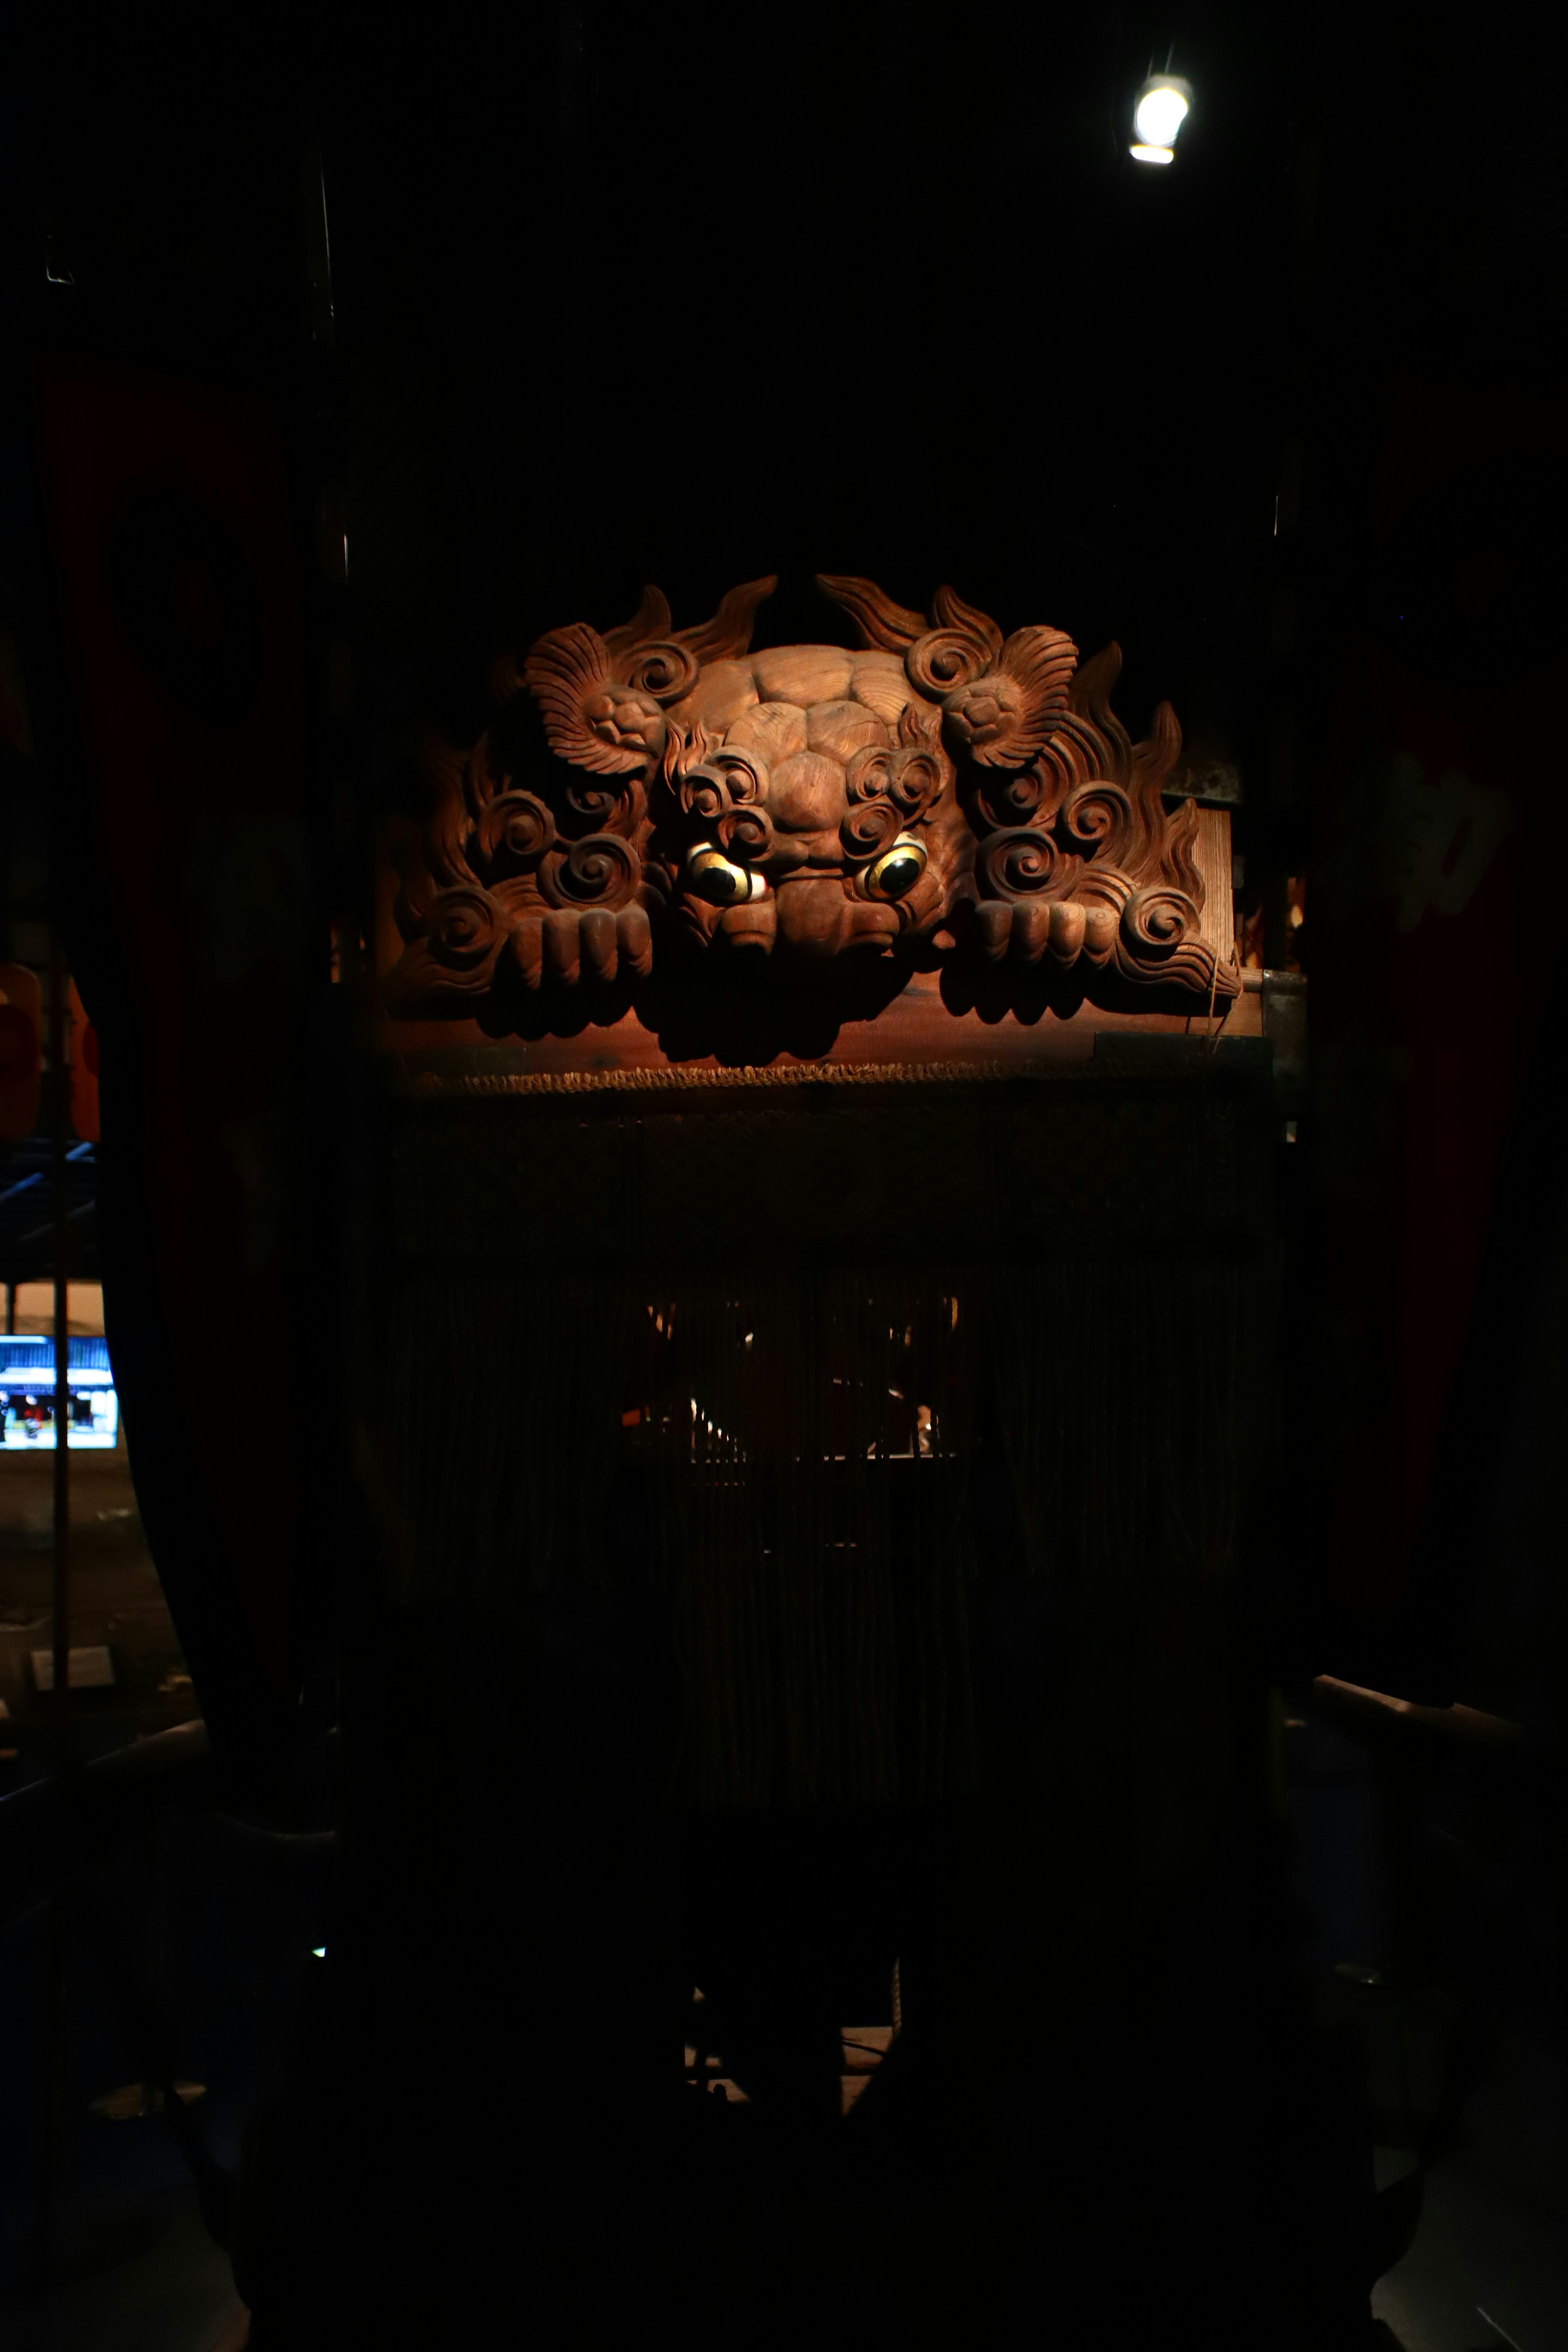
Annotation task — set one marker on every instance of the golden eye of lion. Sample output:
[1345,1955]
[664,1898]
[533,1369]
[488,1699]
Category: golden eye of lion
[718,878]
[898,869]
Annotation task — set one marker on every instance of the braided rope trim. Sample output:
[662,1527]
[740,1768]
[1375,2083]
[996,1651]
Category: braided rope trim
[803,1073]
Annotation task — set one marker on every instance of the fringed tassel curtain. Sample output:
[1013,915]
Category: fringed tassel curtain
[1116,1391]
[497,1412]
[777,1411]
[817,1601]
[1117,1387]
[803,1410]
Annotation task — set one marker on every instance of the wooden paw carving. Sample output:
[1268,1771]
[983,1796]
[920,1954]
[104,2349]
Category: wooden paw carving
[595,946]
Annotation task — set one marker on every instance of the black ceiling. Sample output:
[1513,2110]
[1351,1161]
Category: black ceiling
[694,293]
[851,289]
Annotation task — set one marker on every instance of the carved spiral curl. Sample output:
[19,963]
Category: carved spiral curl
[516,825]
[917,780]
[464,926]
[601,803]
[1156,922]
[746,832]
[1031,797]
[744,771]
[1099,818]
[704,792]
[869,826]
[718,779]
[869,774]
[945,658]
[1150,952]
[663,668]
[1021,862]
[600,870]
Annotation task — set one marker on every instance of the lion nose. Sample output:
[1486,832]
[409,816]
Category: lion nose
[807,793]
[813,914]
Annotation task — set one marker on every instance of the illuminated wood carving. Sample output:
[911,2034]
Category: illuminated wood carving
[941,790]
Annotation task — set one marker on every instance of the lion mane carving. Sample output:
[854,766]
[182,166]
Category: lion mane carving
[940,788]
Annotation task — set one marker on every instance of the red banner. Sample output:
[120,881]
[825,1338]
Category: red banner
[1444,828]
[167,510]
[82,1052]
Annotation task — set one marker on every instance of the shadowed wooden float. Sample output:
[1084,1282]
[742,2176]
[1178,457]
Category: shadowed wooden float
[702,987]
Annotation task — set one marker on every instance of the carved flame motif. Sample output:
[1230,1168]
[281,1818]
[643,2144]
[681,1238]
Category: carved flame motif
[939,784]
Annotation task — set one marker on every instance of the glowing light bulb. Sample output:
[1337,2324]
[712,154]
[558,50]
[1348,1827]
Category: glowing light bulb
[1164,104]
[1161,110]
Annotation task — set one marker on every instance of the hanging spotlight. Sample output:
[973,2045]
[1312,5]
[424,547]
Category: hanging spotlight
[1164,104]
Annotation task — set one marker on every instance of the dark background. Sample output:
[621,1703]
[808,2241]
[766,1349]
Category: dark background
[700,294]
[695,294]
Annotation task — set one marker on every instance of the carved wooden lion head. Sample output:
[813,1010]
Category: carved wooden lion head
[939,785]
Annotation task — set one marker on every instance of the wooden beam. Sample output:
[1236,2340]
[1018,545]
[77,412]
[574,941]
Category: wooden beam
[1377,1708]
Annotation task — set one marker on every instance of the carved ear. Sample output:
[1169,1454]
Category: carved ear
[566,672]
[889,627]
[729,633]
[573,669]
[1041,662]
[650,620]
[1000,716]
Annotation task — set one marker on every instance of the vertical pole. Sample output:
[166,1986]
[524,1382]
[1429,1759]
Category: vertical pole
[10,1309]
[61,1587]
[158,1882]
[59,1917]
[55,2112]
[1278,1786]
